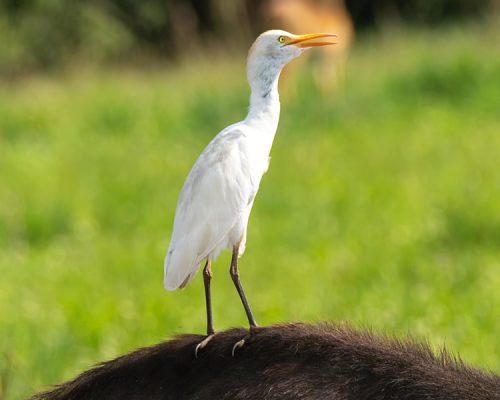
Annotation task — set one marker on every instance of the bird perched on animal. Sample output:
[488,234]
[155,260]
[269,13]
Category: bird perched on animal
[218,194]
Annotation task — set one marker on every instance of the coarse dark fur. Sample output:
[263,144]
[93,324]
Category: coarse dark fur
[293,361]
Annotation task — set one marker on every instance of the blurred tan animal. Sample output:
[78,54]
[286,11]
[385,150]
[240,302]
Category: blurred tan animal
[300,16]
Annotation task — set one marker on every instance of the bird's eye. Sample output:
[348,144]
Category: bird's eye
[281,39]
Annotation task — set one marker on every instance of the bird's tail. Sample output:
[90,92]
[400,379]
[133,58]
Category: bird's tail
[179,268]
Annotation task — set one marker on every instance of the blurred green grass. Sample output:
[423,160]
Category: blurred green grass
[380,207]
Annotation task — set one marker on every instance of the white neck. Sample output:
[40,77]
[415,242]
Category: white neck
[264,109]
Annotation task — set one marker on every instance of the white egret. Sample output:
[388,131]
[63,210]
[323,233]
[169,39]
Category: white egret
[217,197]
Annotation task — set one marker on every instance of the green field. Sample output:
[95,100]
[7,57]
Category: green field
[381,205]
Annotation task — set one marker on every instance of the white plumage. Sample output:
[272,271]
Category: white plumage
[215,202]
[217,197]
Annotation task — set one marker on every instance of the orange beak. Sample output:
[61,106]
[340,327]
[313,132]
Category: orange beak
[314,39]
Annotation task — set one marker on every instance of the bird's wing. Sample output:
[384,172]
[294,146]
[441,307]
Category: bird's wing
[217,190]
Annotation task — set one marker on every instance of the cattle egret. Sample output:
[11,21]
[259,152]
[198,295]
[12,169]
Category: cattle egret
[217,197]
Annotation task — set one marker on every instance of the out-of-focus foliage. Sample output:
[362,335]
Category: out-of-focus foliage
[424,12]
[45,33]
[41,34]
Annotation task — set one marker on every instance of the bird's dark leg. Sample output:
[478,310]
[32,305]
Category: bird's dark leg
[236,279]
[207,277]
[235,275]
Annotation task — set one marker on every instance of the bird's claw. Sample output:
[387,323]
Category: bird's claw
[241,343]
[202,344]
[238,345]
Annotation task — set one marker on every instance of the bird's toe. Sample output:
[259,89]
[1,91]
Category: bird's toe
[202,344]
[238,345]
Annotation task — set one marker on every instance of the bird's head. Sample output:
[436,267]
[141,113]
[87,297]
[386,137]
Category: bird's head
[281,46]
[272,50]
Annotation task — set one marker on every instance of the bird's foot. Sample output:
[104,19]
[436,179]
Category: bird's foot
[202,344]
[239,344]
